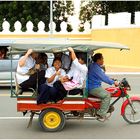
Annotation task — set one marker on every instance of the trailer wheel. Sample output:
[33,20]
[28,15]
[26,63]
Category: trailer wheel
[52,120]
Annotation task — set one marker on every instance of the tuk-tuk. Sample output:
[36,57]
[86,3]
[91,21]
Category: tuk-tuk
[52,117]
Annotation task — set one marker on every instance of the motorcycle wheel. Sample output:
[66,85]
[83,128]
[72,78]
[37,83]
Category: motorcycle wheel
[132,116]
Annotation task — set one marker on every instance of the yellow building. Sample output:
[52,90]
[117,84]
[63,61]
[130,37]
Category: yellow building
[127,60]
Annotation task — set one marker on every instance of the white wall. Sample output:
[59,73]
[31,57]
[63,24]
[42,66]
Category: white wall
[116,20]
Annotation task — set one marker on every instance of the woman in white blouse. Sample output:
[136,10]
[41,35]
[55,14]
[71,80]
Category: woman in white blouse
[47,92]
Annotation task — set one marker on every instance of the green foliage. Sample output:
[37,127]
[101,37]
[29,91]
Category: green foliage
[69,28]
[81,29]
[34,11]
[104,7]
[61,11]
[87,10]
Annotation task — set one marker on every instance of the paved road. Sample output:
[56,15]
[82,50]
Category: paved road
[115,127]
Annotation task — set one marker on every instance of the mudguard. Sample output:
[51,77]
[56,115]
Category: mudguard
[126,102]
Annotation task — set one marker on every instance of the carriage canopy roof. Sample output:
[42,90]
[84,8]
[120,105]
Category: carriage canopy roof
[58,45]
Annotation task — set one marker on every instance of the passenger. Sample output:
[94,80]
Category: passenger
[3,52]
[95,77]
[47,92]
[26,74]
[66,61]
[76,77]
[43,61]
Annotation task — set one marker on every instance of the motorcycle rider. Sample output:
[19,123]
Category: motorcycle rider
[95,77]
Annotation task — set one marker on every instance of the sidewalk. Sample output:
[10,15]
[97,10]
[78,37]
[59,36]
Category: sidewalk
[122,70]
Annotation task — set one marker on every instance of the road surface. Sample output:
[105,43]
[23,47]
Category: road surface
[14,126]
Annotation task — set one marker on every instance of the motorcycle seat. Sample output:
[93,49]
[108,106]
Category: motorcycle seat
[92,96]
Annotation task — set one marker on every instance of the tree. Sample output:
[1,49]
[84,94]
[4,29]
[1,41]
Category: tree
[61,10]
[106,7]
[87,10]
[33,11]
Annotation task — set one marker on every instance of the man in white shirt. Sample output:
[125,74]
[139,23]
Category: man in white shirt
[26,63]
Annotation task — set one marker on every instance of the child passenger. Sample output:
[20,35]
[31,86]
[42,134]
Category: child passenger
[47,92]
[3,52]
[74,81]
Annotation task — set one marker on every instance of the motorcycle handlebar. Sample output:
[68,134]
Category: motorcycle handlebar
[123,83]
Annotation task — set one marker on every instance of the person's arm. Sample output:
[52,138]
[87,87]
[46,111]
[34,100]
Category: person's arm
[73,55]
[51,79]
[75,60]
[24,58]
[63,77]
[103,77]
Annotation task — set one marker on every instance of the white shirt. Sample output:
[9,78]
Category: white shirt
[78,72]
[29,63]
[51,71]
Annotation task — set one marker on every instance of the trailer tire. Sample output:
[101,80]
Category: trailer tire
[52,120]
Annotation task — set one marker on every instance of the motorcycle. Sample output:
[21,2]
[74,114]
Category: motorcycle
[130,109]
[52,117]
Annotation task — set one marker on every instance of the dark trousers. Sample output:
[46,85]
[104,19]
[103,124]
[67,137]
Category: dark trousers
[62,92]
[32,81]
[76,91]
[46,94]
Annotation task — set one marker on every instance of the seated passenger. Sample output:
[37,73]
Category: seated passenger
[66,61]
[3,52]
[42,60]
[26,74]
[76,77]
[46,91]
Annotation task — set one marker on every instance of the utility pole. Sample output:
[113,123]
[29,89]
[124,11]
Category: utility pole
[51,18]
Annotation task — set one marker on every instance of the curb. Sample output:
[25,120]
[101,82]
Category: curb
[122,73]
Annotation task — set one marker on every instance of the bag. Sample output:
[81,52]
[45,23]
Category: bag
[31,71]
[70,85]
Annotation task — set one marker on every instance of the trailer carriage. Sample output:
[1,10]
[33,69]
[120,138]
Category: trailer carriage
[52,117]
